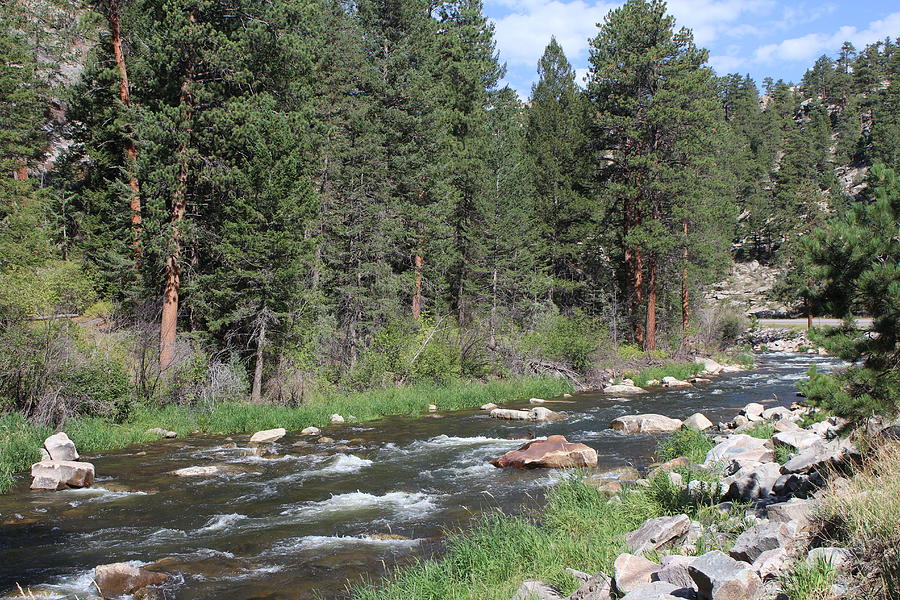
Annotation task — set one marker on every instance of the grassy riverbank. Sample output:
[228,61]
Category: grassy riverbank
[20,440]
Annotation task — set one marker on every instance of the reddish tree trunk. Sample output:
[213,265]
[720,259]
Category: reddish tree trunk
[21,174]
[130,151]
[417,295]
[809,314]
[685,298]
[650,339]
[639,333]
[169,320]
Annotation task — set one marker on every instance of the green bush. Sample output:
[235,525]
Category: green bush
[676,370]
[689,442]
[854,394]
[571,340]
[57,286]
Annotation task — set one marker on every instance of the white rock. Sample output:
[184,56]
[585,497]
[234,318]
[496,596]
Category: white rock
[698,421]
[61,447]
[646,423]
[739,447]
[310,431]
[58,474]
[336,418]
[489,406]
[623,389]
[197,471]
[268,436]
[709,365]
[432,408]
[672,382]
[536,401]
[799,440]
[754,409]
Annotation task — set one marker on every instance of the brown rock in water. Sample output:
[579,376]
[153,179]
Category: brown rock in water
[118,579]
[554,452]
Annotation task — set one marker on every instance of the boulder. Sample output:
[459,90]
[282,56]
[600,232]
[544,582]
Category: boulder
[776,413]
[790,484]
[198,471]
[45,456]
[795,509]
[739,447]
[310,431]
[538,413]
[60,447]
[672,382]
[720,577]
[763,536]
[554,452]
[709,365]
[489,406]
[632,570]
[821,456]
[752,481]
[597,587]
[336,418]
[647,423]
[623,389]
[753,411]
[740,421]
[536,401]
[654,533]
[799,439]
[771,563]
[268,436]
[59,474]
[675,570]
[536,590]
[119,579]
[698,421]
[838,558]
[162,433]
[655,590]
[782,425]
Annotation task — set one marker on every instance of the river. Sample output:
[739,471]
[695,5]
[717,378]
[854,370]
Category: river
[302,524]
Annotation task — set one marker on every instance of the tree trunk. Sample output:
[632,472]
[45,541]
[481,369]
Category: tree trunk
[115,30]
[493,323]
[417,295]
[21,174]
[650,340]
[168,325]
[639,333]
[256,391]
[809,313]
[685,297]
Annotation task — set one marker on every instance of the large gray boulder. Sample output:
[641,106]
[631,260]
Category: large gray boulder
[798,440]
[797,510]
[752,481]
[657,532]
[555,452]
[597,587]
[655,590]
[675,570]
[771,563]
[710,366]
[776,413]
[60,474]
[838,558]
[763,536]
[648,423]
[632,570]
[60,447]
[536,590]
[740,447]
[753,411]
[720,577]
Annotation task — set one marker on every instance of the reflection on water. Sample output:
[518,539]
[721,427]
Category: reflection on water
[298,525]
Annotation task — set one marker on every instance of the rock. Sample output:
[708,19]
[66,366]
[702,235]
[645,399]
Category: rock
[268,436]
[820,456]
[580,576]
[838,558]
[149,593]
[699,380]
[647,423]
[790,483]
[432,408]
[59,474]
[771,563]
[656,532]
[60,447]
[489,406]
[554,452]
[536,590]
[776,413]
[752,482]
[785,425]
[598,587]
[672,382]
[668,466]
[739,447]
[698,421]
[675,570]
[162,433]
[119,579]
[45,456]
[739,421]
[536,401]
[799,440]
[720,577]
[310,431]
[325,440]
[623,389]
[753,410]
[795,509]
[198,471]
[538,413]
[763,536]
[709,365]
[655,590]
[631,571]
[336,418]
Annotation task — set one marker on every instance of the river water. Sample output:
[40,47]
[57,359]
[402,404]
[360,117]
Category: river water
[303,523]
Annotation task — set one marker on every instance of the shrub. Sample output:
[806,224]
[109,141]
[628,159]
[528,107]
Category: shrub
[677,370]
[689,442]
[854,394]
[572,340]
[763,430]
[57,286]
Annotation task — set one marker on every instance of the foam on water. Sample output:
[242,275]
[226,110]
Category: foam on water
[343,463]
[401,504]
[318,542]
[220,522]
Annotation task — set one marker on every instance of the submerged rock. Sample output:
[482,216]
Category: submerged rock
[119,579]
[198,471]
[648,423]
[554,452]
[60,474]
[60,447]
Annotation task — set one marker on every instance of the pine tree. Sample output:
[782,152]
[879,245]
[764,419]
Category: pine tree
[557,142]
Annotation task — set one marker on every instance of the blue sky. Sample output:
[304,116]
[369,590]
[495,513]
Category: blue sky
[759,37]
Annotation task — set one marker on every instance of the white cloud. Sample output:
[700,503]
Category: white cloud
[727,64]
[810,46]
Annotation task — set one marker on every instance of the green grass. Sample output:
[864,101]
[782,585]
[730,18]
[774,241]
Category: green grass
[688,442]
[676,370]
[763,430]
[20,441]
[579,528]
[809,581]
